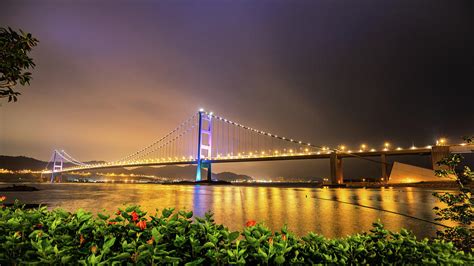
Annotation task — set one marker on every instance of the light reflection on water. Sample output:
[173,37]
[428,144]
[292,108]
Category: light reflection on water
[330,212]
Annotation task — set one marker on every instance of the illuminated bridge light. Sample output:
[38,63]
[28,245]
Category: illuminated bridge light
[441,141]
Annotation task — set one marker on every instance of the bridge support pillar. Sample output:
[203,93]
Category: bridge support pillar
[209,173]
[204,147]
[336,169]
[437,154]
[204,165]
[57,164]
[383,164]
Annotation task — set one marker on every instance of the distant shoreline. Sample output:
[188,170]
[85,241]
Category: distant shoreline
[29,186]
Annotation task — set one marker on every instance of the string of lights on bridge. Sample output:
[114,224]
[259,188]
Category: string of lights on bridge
[171,141]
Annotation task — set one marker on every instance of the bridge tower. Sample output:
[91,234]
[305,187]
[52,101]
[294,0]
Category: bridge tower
[337,176]
[438,153]
[57,164]
[204,144]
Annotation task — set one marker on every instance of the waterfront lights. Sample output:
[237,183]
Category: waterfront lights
[386,145]
[363,147]
[342,147]
[441,141]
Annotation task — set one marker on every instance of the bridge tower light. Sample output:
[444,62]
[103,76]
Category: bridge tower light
[441,142]
[204,147]
[57,164]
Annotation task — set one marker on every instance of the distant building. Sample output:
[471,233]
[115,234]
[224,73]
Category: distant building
[405,173]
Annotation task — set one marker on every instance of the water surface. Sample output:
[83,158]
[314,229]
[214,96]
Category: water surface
[331,212]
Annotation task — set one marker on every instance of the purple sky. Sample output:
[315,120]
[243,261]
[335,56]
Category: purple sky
[113,77]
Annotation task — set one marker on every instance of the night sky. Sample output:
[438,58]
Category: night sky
[115,76]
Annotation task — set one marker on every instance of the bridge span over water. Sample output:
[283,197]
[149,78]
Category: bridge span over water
[206,139]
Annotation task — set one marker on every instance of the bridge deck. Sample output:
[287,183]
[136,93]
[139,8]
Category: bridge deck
[420,151]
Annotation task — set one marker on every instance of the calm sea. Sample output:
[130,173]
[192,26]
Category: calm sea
[333,212]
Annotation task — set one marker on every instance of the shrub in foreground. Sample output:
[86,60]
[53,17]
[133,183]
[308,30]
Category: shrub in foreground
[459,207]
[130,236]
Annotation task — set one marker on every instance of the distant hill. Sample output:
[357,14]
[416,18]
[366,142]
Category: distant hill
[15,163]
[187,172]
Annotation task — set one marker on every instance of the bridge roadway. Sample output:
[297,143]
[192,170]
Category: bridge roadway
[436,153]
[236,159]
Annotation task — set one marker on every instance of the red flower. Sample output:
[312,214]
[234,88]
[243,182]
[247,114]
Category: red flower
[151,240]
[118,212]
[94,249]
[251,223]
[3,198]
[82,240]
[111,223]
[270,241]
[134,216]
[142,224]
[283,237]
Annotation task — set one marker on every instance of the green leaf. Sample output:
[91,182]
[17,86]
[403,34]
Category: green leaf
[279,259]
[262,253]
[233,236]
[122,256]
[208,245]
[66,259]
[109,243]
[103,217]
[189,214]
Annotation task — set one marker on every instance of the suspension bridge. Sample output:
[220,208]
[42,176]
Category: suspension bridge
[206,138]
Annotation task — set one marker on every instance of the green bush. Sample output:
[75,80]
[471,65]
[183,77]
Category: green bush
[39,236]
[458,207]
